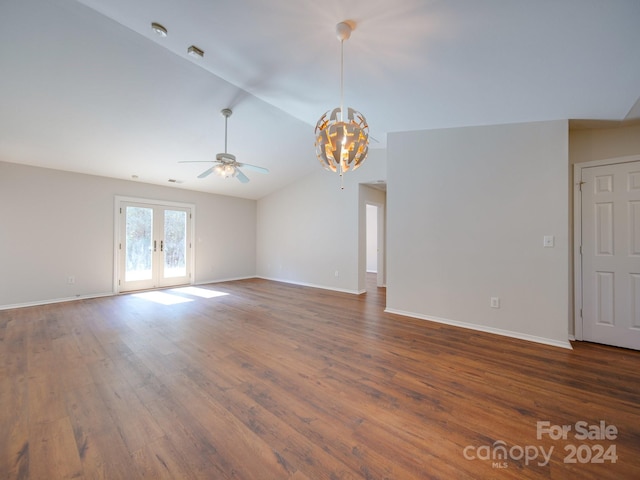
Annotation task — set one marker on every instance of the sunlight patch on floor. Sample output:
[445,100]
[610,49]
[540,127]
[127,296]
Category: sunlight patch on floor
[162,297]
[178,295]
[199,292]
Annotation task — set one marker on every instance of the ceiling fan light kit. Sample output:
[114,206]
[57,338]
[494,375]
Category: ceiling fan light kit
[342,141]
[225,171]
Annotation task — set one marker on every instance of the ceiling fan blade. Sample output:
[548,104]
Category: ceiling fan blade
[207,172]
[241,176]
[255,168]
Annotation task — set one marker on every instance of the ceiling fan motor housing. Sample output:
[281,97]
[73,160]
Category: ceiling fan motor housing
[226,157]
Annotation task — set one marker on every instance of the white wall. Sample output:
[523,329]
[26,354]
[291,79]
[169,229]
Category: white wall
[54,224]
[311,229]
[467,210]
[372,238]
[586,145]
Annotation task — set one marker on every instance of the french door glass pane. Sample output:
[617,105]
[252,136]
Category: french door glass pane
[139,243]
[175,243]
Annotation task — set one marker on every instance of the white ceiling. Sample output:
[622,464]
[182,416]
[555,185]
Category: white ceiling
[87,86]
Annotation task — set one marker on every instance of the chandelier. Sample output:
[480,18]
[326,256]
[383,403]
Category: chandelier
[342,137]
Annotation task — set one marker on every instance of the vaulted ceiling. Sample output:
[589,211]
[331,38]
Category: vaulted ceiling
[87,86]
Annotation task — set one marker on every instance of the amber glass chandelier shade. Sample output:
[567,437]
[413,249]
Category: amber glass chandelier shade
[342,145]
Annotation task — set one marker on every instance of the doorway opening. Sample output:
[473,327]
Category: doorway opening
[373,198]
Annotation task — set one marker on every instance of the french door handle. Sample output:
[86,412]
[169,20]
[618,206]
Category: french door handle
[162,245]
[154,246]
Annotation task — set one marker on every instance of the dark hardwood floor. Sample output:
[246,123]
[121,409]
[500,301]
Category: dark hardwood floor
[276,381]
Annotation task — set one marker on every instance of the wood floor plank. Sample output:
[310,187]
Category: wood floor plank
[52,452]
[293,449]
[14,398]
[98,441]
[277,381]
[71,369]
[160,459]
[328,417]
[246,452]
[192,440]
[136,426]
[14,428]
[46,398]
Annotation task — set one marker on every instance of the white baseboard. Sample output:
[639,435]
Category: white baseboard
[482,328]
[220,280]
[55,300]
[312,285]
[99,295]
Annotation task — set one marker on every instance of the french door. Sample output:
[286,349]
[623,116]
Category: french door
[154,248]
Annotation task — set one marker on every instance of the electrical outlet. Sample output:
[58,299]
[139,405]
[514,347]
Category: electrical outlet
[71,280]
[337,273]
[495,302]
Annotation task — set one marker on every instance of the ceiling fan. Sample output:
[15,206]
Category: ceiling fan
[226,164]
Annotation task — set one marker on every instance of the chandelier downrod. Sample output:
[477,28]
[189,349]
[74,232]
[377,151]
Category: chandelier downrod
[343,32]
[342,80]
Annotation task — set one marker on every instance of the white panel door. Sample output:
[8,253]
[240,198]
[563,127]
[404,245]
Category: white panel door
[611,254]
[155,246]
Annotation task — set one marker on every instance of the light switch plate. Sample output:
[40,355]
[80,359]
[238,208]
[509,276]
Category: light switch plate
[548,241]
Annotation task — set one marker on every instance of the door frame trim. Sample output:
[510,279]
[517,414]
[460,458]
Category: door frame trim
[577,232]
[117,203]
